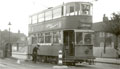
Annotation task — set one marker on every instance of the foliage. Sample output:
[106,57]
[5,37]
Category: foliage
[113,26]
[14,37]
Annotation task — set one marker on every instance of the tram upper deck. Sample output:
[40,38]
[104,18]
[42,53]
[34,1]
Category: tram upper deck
[72,15]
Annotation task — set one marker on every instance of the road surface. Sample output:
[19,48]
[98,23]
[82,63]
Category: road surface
[12,64]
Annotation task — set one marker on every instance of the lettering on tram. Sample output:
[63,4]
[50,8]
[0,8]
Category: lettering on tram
[53,25]
[65,27]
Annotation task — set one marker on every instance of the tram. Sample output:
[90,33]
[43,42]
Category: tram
[66,27]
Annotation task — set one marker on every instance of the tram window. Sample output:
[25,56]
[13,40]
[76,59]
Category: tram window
[71,9]
[41,17]
[57,12]
[34,19]
[79,38]
[67,10]
[48,38]
[56,37]
[87,38]
[77,8]
[48,15]
[62,10]
[30,20]
[41,38]
[29,40]
[85,9]
[34,40]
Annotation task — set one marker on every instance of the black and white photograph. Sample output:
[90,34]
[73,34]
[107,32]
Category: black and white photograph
[59,34]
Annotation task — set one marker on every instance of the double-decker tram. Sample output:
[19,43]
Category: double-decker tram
[66,27]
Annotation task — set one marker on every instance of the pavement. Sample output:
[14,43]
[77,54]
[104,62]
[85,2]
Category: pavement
[108,60]
[13,63]
[97,60]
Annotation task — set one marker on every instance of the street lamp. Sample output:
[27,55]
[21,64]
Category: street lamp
[9,43]
[9,24]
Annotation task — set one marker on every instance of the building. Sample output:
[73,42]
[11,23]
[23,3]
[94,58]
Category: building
[15,40]
[103,41]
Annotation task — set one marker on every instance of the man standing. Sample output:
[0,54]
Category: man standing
[34,53]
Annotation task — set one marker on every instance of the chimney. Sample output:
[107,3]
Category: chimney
[105,19]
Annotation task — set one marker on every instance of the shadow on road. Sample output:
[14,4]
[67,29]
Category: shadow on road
[84,66]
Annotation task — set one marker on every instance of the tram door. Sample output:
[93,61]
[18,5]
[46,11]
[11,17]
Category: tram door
[69,42]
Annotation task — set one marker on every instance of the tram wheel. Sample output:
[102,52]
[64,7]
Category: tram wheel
[69,63]
[73,63]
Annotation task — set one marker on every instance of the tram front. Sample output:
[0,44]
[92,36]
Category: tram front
[83,45]
[78,46]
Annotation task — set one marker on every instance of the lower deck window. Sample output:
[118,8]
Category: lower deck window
[83,38]
[87,38]
[47,39]
[79,39]
[34,40]
[41,39]
[56,37]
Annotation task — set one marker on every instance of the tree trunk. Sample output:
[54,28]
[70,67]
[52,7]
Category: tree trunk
[116,46]
[105,43]
[116,42]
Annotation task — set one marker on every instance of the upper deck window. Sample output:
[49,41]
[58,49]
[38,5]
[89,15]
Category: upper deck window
[57,12]
[34,19]
[71,9]
[85,9]
[48,15]
[41,17]
[30,20]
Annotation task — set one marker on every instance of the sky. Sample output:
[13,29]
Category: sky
[17,12]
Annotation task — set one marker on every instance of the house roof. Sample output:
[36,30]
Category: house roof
[99,26]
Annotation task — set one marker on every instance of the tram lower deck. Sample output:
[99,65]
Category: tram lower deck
[76,46]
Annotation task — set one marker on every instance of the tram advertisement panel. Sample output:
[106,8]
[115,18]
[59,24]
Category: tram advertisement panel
[62,23]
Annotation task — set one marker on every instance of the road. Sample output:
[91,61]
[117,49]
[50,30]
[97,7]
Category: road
[12,64]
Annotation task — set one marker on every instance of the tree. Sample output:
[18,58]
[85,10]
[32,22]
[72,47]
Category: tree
[14,37]
[113,26]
